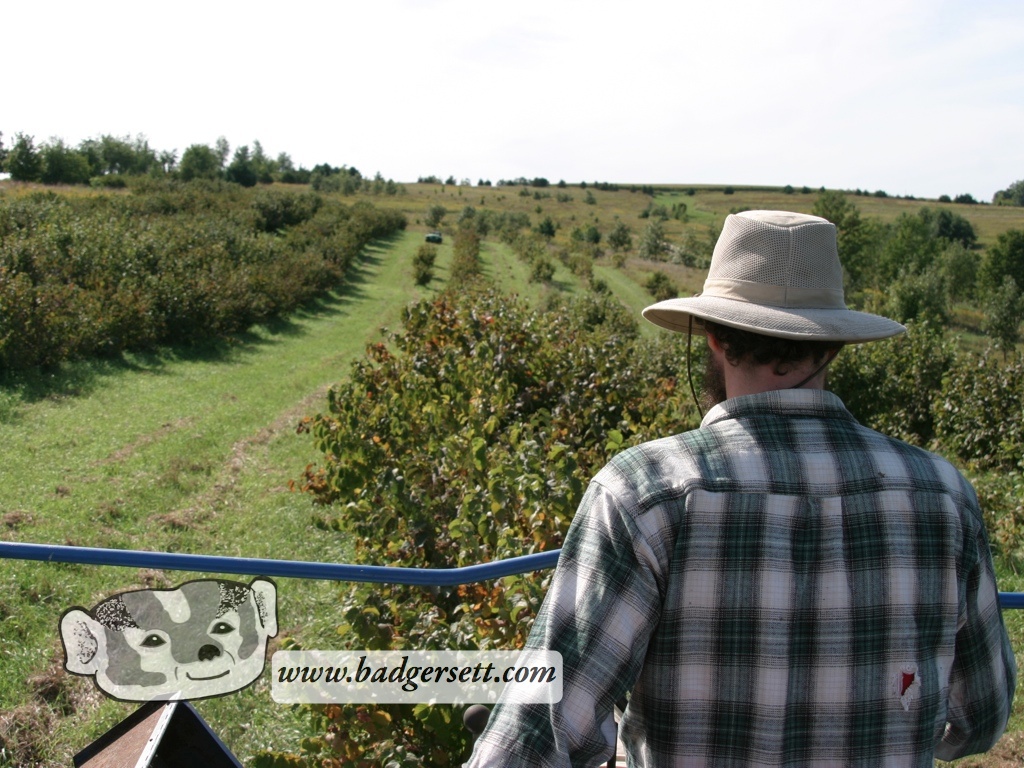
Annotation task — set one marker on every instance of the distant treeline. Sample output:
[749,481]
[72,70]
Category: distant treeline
[538,181]
[169,263]
[111,161]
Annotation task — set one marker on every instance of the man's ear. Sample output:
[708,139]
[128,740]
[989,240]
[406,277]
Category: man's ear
[84,641]
[264,593]
[713,342]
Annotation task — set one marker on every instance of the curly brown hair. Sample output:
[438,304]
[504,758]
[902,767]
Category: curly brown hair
[746,346]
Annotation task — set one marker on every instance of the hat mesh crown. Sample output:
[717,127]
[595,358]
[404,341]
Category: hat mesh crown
[799,256]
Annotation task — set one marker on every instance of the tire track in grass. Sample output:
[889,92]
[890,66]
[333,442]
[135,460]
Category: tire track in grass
[256,475]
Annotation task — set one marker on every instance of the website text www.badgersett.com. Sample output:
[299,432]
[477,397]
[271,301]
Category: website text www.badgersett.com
[415,676]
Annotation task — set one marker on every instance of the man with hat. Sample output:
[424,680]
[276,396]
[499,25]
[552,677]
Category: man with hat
[782,586]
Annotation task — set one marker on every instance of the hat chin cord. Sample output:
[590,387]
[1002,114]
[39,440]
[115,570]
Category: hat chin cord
[689,372]
[818,370]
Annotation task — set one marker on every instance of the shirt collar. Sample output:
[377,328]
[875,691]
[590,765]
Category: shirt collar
[817,403]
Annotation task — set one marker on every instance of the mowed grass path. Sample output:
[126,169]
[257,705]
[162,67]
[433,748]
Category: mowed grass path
[182,452]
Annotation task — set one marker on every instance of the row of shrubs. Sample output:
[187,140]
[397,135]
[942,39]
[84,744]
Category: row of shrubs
[168,263]
[470,437]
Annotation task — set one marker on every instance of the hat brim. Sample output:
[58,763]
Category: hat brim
[842,325]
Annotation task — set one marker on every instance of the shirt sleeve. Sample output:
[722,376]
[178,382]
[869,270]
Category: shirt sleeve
[599,613]
[984,672]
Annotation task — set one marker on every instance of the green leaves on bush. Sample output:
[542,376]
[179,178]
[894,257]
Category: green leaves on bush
[892,385]
[470,437]
[423,263]
[979,415]
[465,256]
[167,264]
[660,286]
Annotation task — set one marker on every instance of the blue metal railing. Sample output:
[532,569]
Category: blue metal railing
[300,569]
[296,569]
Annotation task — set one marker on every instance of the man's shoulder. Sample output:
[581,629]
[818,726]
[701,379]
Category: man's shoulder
[655,453]
[667,465]
[913,458]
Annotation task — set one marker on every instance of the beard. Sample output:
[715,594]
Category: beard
[713,385]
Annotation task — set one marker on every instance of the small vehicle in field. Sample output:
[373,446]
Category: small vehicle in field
[434,237]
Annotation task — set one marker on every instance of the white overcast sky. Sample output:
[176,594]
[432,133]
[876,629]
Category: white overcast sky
[918,97]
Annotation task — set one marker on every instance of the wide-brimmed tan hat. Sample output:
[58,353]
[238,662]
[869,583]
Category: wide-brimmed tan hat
[778,274]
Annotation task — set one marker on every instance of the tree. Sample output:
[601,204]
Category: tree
[1004,311]
[911,246]
[660,286]
[287,173]
[620,238]
[242,169]
[62,165]
[119,155]
[423,264]
[543,270]
[23,161]
[467,217]
[1012,195]
[168,160]
[284,162]
[435,214]
[223,149]
[959,268]
[546,228]
[1005,257]
[918,296]
[652,242]
[199,161]
[953,227]
[465,256]
[325,182]
[3,152]
[263,166]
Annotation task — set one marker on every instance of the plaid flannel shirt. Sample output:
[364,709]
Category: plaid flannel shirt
[781,587]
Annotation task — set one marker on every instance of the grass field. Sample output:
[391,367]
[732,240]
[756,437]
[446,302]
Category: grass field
[193,451]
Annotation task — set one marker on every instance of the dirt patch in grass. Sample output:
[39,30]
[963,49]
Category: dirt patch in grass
[25,729]
[126,452]
[20,729]
[16,519]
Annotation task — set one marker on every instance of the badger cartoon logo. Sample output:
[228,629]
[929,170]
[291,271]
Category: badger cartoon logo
[204,638]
